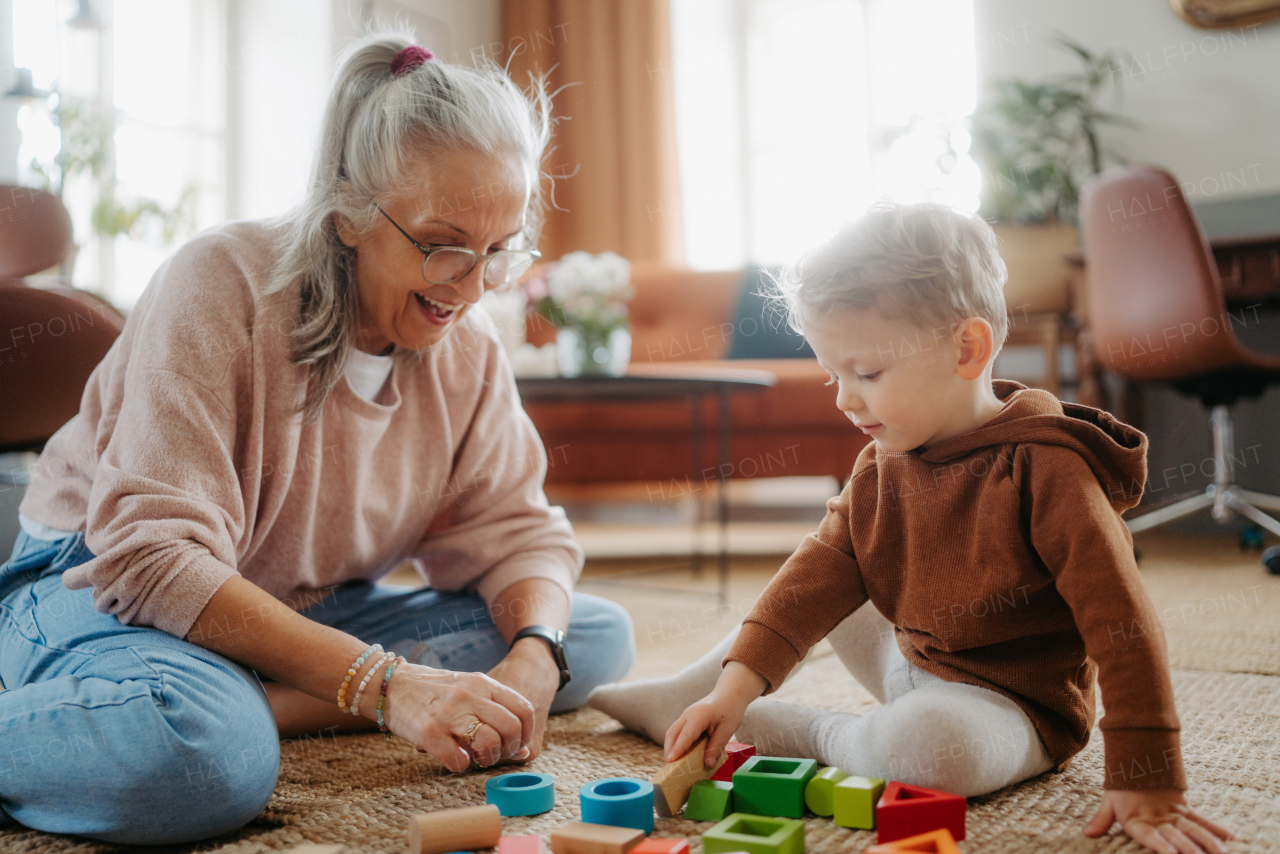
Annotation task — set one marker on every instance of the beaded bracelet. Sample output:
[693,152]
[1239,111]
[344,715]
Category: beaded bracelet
[355,704]
[382,698]
[351,671]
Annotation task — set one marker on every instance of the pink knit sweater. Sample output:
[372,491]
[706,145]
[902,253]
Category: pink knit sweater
[188,464]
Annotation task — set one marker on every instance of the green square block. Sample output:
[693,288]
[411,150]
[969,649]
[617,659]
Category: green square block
[755,834]
[709,800]
[819,793]
[855,801]
[769,785]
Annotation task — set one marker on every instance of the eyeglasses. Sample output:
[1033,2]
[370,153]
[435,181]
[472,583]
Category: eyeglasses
[443,264]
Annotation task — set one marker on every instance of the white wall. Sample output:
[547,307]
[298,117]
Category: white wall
[282,55]
[1208,100]
[9,138]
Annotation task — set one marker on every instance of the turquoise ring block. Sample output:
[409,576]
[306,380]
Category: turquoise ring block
[755,834]
[618,801]
[770,785]
[521,793]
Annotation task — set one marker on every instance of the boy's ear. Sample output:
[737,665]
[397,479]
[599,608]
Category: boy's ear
[976,340]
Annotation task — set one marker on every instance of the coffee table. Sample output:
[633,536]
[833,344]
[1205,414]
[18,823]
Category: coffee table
[657,381]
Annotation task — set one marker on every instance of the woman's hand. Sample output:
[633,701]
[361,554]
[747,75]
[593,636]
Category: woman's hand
[719,714]
[1159,819]
[530,670]
[435,709]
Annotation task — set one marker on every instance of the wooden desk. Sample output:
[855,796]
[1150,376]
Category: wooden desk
[1249,268]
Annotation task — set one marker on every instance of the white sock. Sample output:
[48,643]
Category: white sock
[651,706]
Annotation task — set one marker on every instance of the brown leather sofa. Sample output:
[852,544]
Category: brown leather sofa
[682,318]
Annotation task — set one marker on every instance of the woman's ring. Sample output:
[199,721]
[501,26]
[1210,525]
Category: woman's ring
[470,734]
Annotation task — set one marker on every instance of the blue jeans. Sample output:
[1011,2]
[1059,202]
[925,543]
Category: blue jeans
[130,735]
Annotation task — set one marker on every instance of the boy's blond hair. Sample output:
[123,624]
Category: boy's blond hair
[925,263]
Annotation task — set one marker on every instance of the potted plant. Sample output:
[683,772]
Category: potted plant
[585,297]
[1037,143]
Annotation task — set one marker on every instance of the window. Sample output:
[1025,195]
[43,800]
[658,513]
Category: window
[139,93]
[794,115]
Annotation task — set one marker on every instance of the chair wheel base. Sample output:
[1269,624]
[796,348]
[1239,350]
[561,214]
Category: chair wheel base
[1271,560]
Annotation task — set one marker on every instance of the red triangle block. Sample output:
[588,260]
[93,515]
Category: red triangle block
[937,841]
[736,754]
[905,810]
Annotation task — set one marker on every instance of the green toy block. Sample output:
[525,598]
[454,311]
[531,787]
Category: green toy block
[755,834]
[709,800]
[768,785]
[855,801]
[818,795]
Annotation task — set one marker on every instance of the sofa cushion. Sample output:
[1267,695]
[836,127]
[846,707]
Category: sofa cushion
[760,329]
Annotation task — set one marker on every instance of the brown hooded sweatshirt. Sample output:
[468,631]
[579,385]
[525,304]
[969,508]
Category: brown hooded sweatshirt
[1001,558]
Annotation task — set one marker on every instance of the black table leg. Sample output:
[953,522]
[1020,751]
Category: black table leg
[722,395]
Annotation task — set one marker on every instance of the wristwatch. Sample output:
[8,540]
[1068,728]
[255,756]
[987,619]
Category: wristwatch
[555,640]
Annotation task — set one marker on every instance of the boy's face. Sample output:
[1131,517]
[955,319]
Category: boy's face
[904,385]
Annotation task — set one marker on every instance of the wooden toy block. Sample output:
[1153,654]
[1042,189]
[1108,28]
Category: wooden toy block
[662,846]
[672,783]
[819,793]
[709,800]
[521,793]
[520,845]
[906,810]
[769,785]
[854,800]
[618,801]
[442,831]
[937,841]
[736,755]
[316,848]
[755,834]
[582,838]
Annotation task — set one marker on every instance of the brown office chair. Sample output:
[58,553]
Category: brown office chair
[54,336]
[35,231]
[1157,314]
[51,336]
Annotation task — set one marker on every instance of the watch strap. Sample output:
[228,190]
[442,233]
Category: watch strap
[555,640]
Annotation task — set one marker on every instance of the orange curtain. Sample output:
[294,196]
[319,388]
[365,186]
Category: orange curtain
[614,167]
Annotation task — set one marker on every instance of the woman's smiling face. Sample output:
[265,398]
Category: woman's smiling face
[459,197]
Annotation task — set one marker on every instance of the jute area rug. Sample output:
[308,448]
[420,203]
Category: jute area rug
[1220,613]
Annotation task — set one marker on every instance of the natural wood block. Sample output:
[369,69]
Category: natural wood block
[672,783]
[937,841]
[582,838]
[445,831]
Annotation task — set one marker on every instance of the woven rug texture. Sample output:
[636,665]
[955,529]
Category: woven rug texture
[1219,610]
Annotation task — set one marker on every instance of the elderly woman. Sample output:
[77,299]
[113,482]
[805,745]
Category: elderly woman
[295,408]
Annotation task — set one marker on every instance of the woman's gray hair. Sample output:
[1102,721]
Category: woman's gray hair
[926,263]
[373,125]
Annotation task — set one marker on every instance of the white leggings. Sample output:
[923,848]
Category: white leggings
[928,732]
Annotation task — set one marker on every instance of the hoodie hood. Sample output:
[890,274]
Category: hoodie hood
[1116,452]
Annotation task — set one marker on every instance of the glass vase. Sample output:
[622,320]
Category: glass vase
[581,351]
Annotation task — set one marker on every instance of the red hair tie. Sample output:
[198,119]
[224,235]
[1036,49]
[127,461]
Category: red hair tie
[409,58]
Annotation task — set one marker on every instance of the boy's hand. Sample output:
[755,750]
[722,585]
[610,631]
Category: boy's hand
[1159,819]
[719,714]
